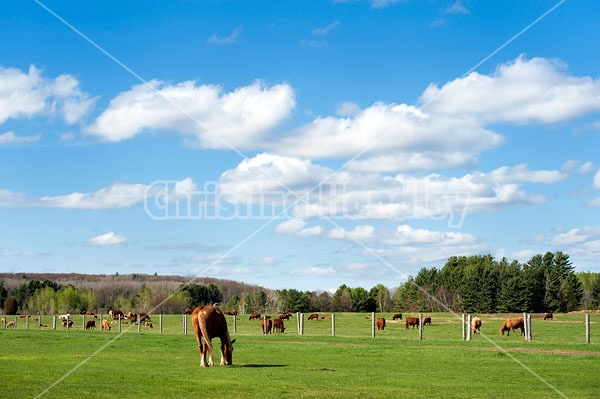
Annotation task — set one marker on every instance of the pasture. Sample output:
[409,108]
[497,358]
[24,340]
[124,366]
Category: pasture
[99,364]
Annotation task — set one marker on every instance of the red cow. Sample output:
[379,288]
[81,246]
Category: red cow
[314,316]
[412,321]
[397,316]
[426,321]
[254,316]
[90,324]
[476,325]
[512,324]
[187,311]
[209,322]
[267,325]
[285,316]
[231,312]
[278,325]
[380,323]
[548,316]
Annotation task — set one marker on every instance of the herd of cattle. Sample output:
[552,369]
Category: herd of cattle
[115,315]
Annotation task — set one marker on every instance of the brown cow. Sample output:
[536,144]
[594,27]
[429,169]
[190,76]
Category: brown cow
[511,324]
[476,325]
[67,323]
[278,325]
[285,316]
[266,328]
[115,314]
[231,312]
[380,323]
[149,324]
[314,316]
[209,322]
[90,324]
[187,311]
[254,316]
[105,325]
[397,316]
[412,321]
[10,324]
[548,316]
[426,321]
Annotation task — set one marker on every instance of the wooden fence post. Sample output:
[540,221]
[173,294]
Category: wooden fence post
[119,323]
[420,325]
[160,322]
[333,324]
[301,323]
[234,324]
[372,324]
[139,323]
[54,322]
[27,322]
[587,328]
[529,333]
[298,322]
[463,321]
[467,327]
[184,324]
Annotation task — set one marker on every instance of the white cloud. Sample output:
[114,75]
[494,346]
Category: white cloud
[118,195]
[204,114]
[325,30]
[297,227]
[523,91]
[264,261]
[107,240]
[450,127]
[231,39]
[372,196]
[596,181]
[9,199]
[457,8]
[362,233]
[407,235]
[27,94]
[313,271]
[12,138]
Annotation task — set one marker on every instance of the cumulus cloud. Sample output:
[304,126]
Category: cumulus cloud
[12,138]
[596,181]
[107,240]
[352,195]
[297,227]
[363,233]
[204,114]
[450,127]
[523,91]
[118,195]
[28,94]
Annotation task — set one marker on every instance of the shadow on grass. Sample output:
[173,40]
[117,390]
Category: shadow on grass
[262,365]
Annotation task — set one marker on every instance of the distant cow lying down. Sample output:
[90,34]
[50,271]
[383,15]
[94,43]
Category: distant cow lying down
[412,321]
[512,324]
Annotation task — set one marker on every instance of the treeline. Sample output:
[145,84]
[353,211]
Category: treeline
[474,284]
[546,283]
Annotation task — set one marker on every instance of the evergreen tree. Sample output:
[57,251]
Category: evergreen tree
[571,293]
[10,305]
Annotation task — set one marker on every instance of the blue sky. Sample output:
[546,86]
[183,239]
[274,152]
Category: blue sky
[383,136]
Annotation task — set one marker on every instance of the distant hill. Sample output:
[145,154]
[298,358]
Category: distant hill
[228,288]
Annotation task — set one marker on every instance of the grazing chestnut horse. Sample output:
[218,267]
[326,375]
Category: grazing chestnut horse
[209,322]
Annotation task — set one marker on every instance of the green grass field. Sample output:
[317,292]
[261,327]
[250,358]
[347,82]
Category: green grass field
[99,364]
